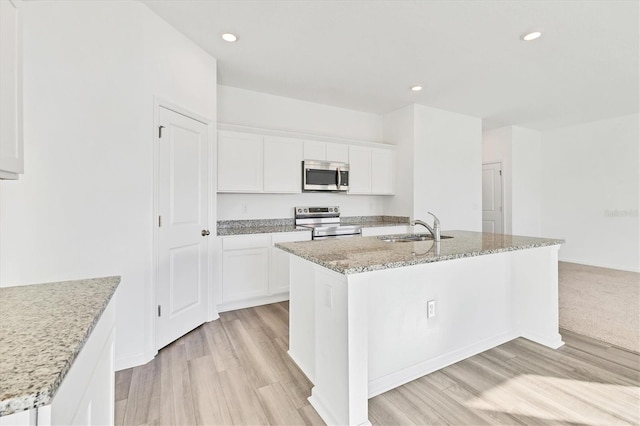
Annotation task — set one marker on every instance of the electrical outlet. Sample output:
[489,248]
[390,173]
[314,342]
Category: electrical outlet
[431,308]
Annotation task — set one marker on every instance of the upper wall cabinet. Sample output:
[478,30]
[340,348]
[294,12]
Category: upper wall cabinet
[326,151]
[372,170]
[11,143]
[254,163]
[383,171]
[359,170]
[239,162]
[282,165]
[266,163]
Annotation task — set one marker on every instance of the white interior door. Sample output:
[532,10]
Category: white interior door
[492,210]
[183,225]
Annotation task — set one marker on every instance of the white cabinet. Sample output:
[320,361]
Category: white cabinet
[260,163]
[385,230]
[359,170]
[314,150]
[372,170]
[240,160]
[11,142]
[245,267]
[253,271]
[279,279]
[326,151]
[337,152]
[255,163]
[382,171]
[282,165]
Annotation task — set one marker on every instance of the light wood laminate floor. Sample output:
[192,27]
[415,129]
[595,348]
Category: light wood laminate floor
[236,371]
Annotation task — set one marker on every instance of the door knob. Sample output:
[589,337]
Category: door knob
[205,232]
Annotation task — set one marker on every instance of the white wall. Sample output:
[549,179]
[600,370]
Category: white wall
[261,110]
[84,206]
[254,109]
[589,172]
[496,148]
[448,168]
[525,182]
[519,151]
[398,127]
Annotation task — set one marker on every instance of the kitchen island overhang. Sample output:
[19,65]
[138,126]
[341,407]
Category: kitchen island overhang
[359,323]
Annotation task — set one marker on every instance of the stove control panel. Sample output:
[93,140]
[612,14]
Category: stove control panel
[332,211]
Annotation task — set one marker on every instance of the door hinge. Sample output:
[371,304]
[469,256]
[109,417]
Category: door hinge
[500,172]
[159,311]
[160,131]
[159,221]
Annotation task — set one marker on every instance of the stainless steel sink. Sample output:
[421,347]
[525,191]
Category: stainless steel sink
[409,238]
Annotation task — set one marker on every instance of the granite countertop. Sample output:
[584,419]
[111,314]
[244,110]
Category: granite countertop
[43,327]
[228,228]
[356,255]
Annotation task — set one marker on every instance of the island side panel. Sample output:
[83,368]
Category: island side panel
[302,314]
[535,279]
[340,393]
[473,313]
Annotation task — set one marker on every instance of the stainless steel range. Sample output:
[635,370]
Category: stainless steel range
[325,222]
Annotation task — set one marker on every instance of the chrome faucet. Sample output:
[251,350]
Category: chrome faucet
[435,231]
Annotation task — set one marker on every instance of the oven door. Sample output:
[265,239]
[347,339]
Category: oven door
[325,176]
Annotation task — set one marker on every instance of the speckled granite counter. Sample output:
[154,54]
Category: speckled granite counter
[266,226]
[355,255]
[43,327]
[257,226]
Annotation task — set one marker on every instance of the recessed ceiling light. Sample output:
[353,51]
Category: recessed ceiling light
[416,88]
[229,37]
[531,36]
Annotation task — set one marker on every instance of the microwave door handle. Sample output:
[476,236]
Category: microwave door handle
[339,179]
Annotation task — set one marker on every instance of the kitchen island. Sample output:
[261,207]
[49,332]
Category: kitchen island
[56,352]
[368,315]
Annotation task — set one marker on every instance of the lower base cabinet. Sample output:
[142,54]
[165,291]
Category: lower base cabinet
[253,271]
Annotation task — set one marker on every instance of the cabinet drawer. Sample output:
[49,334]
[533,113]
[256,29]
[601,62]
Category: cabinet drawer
[287,237]
[241,242]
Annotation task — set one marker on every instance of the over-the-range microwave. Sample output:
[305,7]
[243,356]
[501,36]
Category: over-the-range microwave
[325,176]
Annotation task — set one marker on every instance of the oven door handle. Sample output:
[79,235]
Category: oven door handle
[339,180]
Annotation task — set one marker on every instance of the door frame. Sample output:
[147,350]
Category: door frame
[151,314]
[502,211]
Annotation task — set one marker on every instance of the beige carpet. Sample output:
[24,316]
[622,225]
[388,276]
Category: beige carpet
[601,303]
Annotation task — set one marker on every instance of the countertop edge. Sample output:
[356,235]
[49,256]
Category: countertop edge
[47,392]
[418,261]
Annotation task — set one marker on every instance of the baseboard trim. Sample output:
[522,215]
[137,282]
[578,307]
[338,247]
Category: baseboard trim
[305,369]
[250,303]
[398,378]
[134,360]
[322,409]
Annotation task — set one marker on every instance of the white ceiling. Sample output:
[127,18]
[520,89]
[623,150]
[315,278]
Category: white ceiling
[364,55]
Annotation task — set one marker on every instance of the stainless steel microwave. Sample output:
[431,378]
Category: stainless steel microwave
[324,176]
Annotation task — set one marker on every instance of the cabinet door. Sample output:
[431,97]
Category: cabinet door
[245,267]
[11,143]
[239,162]
[282,165]
[337,152]
[314,150]
[360,170]
[279,279]
[382,171]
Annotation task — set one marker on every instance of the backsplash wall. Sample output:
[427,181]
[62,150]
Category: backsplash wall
[276,206]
